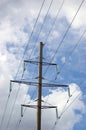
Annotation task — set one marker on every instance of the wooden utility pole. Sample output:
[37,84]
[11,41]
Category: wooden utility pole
[39,87]
[39,84]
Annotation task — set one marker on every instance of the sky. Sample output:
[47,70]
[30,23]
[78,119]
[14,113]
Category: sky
[61,26]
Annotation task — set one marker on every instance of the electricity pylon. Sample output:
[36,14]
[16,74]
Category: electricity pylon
[40,84]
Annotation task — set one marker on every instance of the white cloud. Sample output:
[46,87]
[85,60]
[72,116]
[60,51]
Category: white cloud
[70,9]
[56,97]
[14,15]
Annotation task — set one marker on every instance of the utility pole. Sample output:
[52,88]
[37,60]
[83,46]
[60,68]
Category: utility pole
[39,84]
[39,87]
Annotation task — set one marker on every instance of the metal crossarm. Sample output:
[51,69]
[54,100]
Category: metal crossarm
[35,106]
[36,84]
[42,107]
[36,62]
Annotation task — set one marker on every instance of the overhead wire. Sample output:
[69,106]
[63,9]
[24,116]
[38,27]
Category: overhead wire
[67,31]
[72,101]
[13,106]
[3,115]
[72,51]
[20,120]
[43,24]
[30,36]
[54,21]
[45,20]
[58,11]
[70,26]
[21,62]
[76,45]
[66,108]
[61,42]
[70,54]
[74,48]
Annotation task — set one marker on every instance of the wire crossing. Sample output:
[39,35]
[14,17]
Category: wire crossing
[39,84]
[61,42]
[31,54]
[21,63]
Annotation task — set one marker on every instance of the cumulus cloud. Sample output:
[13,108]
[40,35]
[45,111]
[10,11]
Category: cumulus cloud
[57,97]
[17,19]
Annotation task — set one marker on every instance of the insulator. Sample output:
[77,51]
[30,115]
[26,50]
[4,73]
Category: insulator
[57,72]
[57,113]
[21,111]
[24,67]
[10,86]
[69,92]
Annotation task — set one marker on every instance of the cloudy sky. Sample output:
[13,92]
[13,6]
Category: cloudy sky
[61,26]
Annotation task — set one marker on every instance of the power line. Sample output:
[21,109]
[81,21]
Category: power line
[26,49]
[20,120]
[68,30]
[43,84]
[65,33]
[66,108]
[2,119]
[42,26]
[21,61]
[74,48]
[76,45]
[30,36]
[57,14]
[13,105]
[52,23]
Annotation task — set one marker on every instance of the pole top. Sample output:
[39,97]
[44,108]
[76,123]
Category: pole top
[41,43]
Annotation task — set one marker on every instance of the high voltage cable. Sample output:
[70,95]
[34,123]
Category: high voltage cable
[65,109]
[42,26]
[68,58]
[40,31]
[56,51]
[2,119]
[69,28]
[30,36]
[13,105]
[76,45]
[23,57]
[54,21]
[39,35]
[74,99]
[65,33]
[51,25]
[20,120]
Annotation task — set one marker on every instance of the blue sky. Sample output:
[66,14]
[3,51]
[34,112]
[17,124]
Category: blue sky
[17,20]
